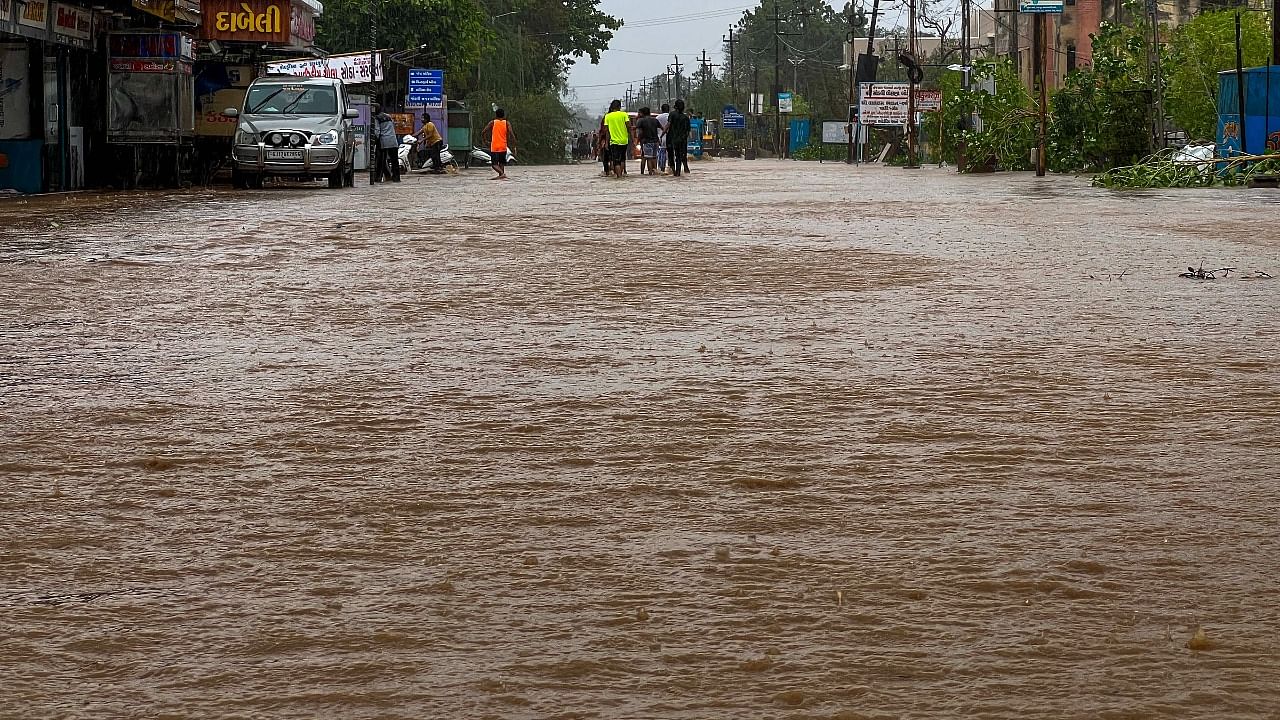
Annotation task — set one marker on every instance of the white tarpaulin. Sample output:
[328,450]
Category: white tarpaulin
[15,93]
[352,68]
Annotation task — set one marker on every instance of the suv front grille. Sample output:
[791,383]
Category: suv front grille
[285,138]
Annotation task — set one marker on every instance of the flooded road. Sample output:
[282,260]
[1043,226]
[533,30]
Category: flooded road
[775,440]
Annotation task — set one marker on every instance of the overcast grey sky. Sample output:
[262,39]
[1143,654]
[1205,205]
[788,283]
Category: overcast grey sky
[655,31]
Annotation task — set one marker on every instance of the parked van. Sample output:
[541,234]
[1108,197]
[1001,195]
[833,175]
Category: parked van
[294,127]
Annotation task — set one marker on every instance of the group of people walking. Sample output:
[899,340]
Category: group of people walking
[663,140]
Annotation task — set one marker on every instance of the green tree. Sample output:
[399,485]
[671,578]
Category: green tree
[1006,130]
[453,30]
[813,37]
[1102,116]
[1200,49]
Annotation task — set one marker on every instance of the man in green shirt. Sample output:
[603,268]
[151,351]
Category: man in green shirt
[619,124]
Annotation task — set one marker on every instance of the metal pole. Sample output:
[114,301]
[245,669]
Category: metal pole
[1159,76]
[1275,33]
[732,76]
[852,92]
[755,90]
[1039,42]
[1244,142]
[777,82]
[912,160]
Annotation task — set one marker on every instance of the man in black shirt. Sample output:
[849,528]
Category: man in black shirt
[678,138]
[647,129]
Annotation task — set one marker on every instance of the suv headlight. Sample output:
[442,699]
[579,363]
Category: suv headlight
[244,137]
[329,138]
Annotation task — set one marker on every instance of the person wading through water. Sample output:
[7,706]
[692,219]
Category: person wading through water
[619,124]
[677,138]
[647,131]
[501,138]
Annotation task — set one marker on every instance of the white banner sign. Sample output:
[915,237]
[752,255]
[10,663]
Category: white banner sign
[886,103]
[15,93]
[835,132]
[353,68]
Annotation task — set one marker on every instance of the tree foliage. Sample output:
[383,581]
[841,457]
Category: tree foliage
[511,52]
[1006,127]
[453,31]
[1102,116]
[1200,49]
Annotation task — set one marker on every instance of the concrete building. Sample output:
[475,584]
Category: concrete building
[982,39]
[1068,34]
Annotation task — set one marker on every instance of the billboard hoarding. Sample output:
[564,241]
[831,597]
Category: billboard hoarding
[350,68]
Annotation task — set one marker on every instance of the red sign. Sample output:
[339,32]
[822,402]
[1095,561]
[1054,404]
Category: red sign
[145,45]
[72,22]
[247,21]
[302,25]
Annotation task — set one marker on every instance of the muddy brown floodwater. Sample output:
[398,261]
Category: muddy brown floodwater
[778,440]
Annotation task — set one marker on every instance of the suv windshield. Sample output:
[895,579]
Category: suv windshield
[293,99]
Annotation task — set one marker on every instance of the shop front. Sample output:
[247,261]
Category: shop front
[236,38]
[151,115]
[52,89]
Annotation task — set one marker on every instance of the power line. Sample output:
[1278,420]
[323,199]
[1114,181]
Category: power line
[691,17]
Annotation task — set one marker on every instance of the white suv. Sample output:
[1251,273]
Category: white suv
[296,127]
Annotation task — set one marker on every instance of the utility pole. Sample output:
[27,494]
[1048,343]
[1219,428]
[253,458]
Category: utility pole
[374,7]
[1038,42]
[706,64]
[853,61]
[1153,61]
[777,78]
[670,98]
[677,66]
[967,32]
[1244,136]
[733,78]
[1275,31]
[868,62]
[913,161]
[755,90]
[795,74]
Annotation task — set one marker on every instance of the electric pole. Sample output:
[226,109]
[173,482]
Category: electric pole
[733,78]
[706,64]
[1154,71]
[1275,32]
[1038,42]
[912,160]
[777,78]
[848,130]
[677,71]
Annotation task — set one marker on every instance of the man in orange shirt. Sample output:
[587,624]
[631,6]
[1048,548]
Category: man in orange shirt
[501,138]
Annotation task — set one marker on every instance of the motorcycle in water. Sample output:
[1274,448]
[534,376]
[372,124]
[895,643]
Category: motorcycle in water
[409,157]
[481,157]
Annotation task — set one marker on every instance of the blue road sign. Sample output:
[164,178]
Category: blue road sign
[731,119]
[1040,6]
[426,87]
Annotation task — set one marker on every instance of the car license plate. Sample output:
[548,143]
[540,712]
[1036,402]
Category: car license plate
[284,154]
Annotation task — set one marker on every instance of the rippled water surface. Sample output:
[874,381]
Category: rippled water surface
[775,440]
